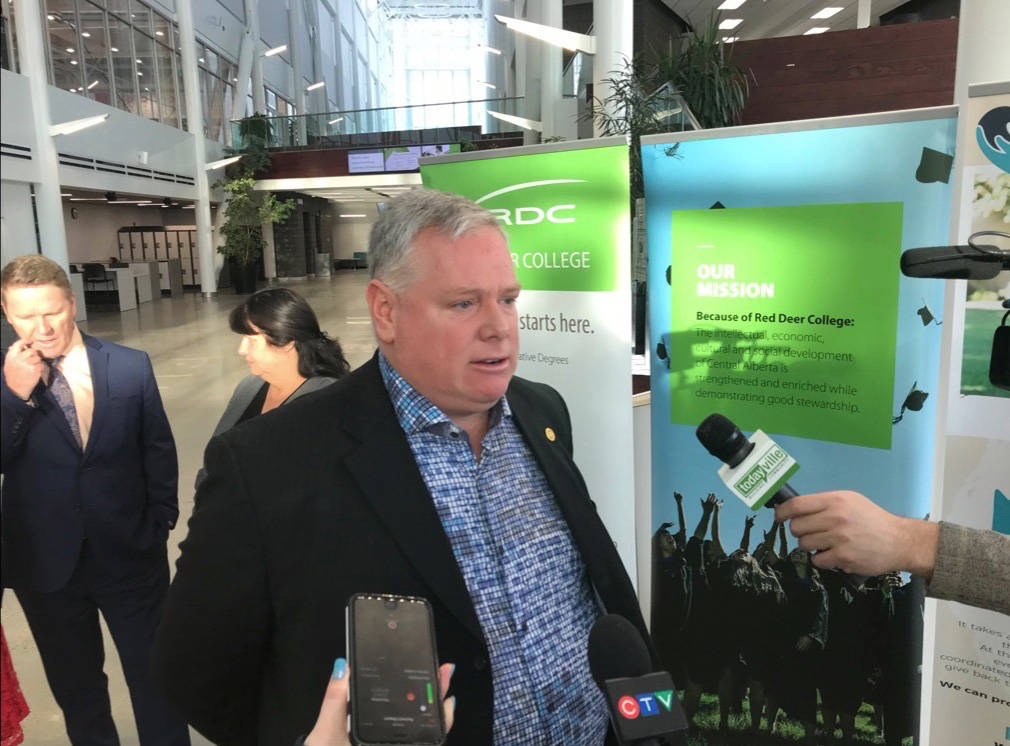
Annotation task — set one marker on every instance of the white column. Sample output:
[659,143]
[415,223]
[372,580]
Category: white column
[32,59]
[259,94]
[296,22]
[531,95]
[550,70]
[612,29]
[269,251]
[245,60]
[194,124]
[863,14]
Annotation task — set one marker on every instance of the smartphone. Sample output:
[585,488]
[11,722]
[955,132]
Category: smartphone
[394,671]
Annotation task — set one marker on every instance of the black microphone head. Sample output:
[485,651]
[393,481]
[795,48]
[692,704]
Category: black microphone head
[723,439]
[953,262]
[617,650]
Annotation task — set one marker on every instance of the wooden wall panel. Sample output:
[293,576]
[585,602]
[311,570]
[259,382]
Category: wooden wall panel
[904,66]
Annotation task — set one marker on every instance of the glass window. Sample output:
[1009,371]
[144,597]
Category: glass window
[64,56]
[147,75]
[162,29]
[183,122]
[140,17]
[119,7]
[123,73]
[166,85]
[97,78]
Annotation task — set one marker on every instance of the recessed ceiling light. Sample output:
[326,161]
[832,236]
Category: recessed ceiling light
[355,215]
[114,49]
[92,84]
[140,74]
[85,34]
[159,33]
[729,39]
[731,4]
[140,62]
[790,64]
[73,62]
[817,30]
[51,17]
[315,86]
[334,121]
[70,50]
[730,23]
[202,60]
[826,12]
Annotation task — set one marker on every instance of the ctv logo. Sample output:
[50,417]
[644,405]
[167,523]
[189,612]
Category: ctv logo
[644,705]
[559,214]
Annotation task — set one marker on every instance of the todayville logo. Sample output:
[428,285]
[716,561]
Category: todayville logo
[758,474]
[647,704]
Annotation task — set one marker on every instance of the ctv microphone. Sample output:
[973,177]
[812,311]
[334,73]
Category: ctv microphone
[755,470]
[643,703]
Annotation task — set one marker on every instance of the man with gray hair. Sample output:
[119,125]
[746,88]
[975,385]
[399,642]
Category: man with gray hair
[430,471]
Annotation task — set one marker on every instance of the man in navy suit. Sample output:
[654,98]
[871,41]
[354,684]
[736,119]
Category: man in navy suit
[89,496]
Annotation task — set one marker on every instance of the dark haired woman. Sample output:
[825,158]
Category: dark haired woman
[287,353]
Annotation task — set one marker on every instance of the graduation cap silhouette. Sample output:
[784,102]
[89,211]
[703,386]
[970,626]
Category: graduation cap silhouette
[926,315]
[913,402]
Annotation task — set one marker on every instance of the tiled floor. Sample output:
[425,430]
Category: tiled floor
[197,366]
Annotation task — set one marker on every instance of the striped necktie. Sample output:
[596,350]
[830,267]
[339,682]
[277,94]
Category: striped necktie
[60,389]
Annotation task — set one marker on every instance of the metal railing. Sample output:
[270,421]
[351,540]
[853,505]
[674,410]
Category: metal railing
[453,121]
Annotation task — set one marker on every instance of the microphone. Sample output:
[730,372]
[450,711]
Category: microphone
[643,703]
[970,262]
[756,470]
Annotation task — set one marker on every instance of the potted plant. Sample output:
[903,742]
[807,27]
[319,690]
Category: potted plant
[246,209]
[697,70]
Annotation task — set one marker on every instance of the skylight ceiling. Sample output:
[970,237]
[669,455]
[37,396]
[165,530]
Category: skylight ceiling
[434,8]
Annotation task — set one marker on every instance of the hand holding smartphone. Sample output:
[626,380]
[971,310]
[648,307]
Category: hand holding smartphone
[394,685]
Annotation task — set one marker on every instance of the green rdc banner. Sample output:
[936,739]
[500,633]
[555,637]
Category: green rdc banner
[565,213]
[784,318]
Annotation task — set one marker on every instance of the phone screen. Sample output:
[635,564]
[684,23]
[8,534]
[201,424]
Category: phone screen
[394,685]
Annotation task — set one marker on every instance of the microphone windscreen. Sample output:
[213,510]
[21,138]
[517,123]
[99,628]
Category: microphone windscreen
[720,437]
[617,650]
[952,262]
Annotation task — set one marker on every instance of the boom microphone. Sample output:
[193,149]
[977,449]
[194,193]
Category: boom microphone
[643,703]
[973,261]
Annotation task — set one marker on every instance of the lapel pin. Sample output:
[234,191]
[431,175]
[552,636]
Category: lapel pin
[550,434]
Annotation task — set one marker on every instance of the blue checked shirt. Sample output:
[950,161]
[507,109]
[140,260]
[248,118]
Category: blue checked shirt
[526,580]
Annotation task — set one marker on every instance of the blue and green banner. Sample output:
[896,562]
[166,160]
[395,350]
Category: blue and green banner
[776,300]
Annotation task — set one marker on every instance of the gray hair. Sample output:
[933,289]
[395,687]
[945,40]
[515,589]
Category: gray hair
[393,235]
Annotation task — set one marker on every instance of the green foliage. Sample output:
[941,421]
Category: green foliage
[642,94]
[248,209]
[703,72]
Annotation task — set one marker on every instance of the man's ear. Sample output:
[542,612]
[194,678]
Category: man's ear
[382,305]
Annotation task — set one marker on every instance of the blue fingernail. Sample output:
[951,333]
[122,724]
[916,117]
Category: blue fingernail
[453,701]
[339,668]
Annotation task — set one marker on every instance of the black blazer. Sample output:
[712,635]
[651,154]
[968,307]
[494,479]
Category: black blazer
[120,492]
[311,503]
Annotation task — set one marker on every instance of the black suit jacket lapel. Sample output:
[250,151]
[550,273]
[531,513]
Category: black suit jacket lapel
[98,360]
[569,489]
[384,468]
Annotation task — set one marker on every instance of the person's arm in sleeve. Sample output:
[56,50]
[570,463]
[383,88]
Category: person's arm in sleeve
[161,463]
[22,369]
[851,533]
[972,566]
[210,646]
